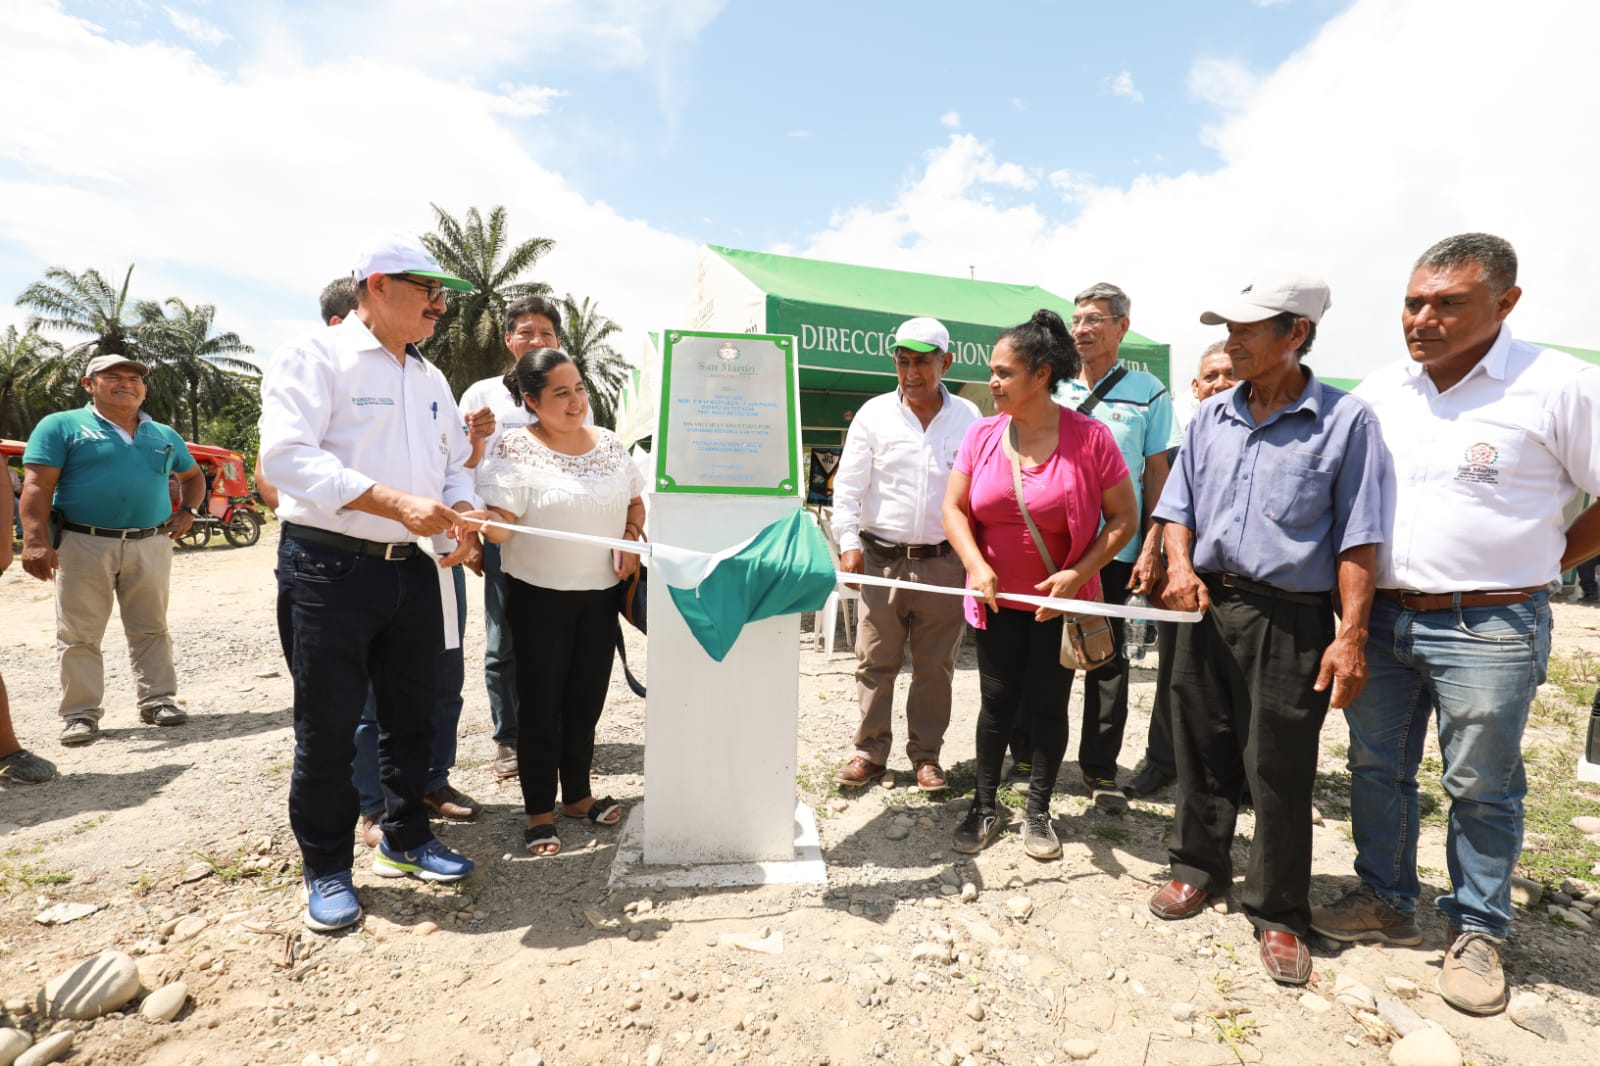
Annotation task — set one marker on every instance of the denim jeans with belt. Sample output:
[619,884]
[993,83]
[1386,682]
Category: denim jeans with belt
[1476,669]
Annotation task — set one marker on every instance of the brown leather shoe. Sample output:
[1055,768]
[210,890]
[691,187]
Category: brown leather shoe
[930,778]
[447,802]
[1285,957]
[1176,901]
[505,761]
[858,771]
[369,832]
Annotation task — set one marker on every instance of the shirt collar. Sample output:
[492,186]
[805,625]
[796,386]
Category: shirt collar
[143,416]
[1238,403]
[1493,363]
[944,396]
[365,341]
[1078,386]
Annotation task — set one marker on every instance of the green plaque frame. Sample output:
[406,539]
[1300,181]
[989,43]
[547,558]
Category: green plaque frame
[671,424]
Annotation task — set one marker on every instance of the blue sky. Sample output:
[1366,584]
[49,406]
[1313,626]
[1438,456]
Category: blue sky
[238,154]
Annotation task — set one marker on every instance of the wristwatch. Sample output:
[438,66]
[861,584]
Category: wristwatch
[195,511]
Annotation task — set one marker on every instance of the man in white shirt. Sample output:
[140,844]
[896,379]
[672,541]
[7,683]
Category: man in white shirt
[1488,438]
[887,494]
[359,433]
[531,322]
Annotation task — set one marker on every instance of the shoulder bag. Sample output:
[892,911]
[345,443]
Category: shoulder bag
[1087,641]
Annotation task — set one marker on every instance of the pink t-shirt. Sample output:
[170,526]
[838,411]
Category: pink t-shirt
[1063,495]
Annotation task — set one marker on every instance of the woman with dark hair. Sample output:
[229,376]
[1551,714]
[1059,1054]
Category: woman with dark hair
[1075,487]
[559,473]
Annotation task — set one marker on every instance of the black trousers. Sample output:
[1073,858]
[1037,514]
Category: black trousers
[1021,681]
[564,643]
[358,623]
[1246,713]
[1158,744]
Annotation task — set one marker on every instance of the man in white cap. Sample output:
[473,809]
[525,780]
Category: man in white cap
[1273,518]
[362,438]
[1488,437]
[97,518]
[887,495]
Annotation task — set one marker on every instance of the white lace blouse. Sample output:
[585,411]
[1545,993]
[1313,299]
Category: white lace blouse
[586,493]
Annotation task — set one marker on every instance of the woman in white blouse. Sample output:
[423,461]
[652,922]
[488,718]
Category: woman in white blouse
[559,473]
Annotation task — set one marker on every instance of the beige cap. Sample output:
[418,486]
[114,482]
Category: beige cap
[1261,300]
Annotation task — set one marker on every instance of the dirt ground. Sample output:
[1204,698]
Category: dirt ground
[181,837]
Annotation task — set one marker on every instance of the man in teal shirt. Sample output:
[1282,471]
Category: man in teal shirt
[1137,408]
[104,468]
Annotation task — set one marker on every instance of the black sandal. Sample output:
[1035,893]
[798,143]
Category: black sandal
[598,810]
[536,836]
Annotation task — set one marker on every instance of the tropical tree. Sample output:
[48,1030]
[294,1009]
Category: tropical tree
[86,305]
[586,335]
[32,380]
[468,342]
[193,372]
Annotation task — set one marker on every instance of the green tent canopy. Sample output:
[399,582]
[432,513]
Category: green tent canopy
[844,317]
[1588,355]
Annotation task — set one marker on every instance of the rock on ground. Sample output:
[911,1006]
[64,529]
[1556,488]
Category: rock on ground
[93,987]
[1528,1010]
[1430,1046]
[164,1003]
[49,1049]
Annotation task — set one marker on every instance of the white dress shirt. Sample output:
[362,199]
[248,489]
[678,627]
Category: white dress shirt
[892,475]
[508,413]
[1481,471]
[340,414]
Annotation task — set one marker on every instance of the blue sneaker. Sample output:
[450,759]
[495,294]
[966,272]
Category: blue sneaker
[431,862]
[331,903]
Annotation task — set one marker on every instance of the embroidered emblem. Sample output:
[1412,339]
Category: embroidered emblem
[1480,467]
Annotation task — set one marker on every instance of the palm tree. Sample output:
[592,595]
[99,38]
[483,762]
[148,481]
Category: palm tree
[83,304]
[586,332]
[192,370]
[34,380]
[469,340]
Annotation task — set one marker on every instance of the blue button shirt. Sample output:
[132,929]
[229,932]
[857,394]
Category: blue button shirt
[104,480]
[1277,503]
[1138,411]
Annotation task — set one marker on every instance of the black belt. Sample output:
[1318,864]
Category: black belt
[328,539]
[114,534]
[1257,588]
[908,551]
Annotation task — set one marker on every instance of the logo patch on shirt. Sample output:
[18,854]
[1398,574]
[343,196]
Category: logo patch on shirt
[1480,466]
[372,401]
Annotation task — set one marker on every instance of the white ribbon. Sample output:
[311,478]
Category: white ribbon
[685,564]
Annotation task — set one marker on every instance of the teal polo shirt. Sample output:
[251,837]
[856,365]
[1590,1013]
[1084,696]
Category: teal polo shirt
[105,481]
[1139,414]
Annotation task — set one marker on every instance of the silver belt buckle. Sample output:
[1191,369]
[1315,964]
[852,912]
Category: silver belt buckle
[389,555]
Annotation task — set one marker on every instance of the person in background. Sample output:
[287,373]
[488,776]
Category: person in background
[888,493]
[18,765]
[105,467]
[1076,488]
[1157,769]
[560,473]
[531,322]
[1485,439]
[1272,525]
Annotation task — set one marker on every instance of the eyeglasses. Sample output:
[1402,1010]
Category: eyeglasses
[1092,321]
[434,289]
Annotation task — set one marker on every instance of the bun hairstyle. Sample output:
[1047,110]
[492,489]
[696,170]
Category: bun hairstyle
[531,372]
[1044,341]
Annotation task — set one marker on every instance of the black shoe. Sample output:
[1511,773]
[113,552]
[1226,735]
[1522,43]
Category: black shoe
[1149,778]
[978,830]
[1105,795]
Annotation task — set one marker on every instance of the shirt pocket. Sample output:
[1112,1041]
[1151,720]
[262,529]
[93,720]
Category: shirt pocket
[1299,489]
[158,455]
[1481,457]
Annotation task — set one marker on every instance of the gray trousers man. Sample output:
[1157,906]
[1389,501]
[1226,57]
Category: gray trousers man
[94,571]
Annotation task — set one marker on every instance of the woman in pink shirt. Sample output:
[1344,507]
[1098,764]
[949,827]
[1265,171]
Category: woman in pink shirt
[1076,487]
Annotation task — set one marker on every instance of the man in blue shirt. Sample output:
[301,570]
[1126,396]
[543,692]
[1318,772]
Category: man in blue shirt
[1137,408]
[1273,517]
[104,468]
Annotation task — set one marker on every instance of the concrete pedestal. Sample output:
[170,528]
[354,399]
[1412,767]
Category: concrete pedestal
[720,738]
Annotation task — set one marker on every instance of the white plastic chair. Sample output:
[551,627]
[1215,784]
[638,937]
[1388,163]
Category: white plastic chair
[826,621]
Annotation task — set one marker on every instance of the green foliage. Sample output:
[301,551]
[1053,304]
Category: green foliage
[193,372]
[85,304]
[587,335]
[31,381]
[234,425]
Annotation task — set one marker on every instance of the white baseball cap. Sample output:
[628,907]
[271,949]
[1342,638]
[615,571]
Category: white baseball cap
[922,335]
[402,253]
[1261,300]
[106,362]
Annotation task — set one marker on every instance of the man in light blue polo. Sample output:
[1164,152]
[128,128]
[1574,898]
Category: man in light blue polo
[104,468]
[1137,408]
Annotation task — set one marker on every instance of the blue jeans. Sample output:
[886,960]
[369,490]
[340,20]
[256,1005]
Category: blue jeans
[499,663]
[359,624]
[1476,670]
[446,719]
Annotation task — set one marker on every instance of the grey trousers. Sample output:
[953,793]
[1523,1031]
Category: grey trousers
[92,572]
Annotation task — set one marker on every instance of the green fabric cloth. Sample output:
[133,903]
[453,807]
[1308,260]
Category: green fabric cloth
[784,569]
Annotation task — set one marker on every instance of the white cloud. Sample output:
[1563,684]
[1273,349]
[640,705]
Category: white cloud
[524,101]
[1269,3]
[1074,187]
[951,119]
[798,134]
[195,28]
[1225,83]
[1344,161]
[1122,85]
[269,204]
